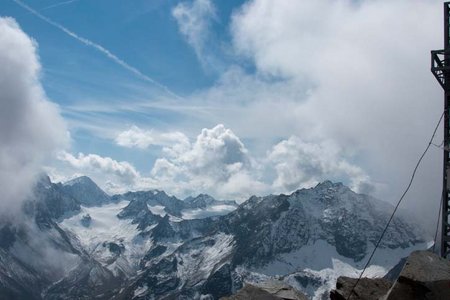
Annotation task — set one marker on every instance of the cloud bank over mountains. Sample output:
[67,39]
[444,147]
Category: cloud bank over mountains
[31,127]
[306,91]
[371,93]
[341,97]
[218,162]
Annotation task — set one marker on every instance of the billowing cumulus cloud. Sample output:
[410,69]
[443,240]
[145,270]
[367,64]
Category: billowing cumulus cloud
[301,164]
[366,77]
[217,162]
[120,171]
[31,128]
[348,81]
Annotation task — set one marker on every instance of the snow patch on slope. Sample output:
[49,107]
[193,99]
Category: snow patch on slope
[106,227]
[140,291]
[157,210]
[198,262]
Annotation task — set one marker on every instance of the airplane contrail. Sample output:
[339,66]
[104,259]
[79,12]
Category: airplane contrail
[99,48]
[58,4]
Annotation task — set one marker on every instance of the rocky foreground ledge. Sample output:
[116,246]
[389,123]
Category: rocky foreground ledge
[269,290]
[424,276]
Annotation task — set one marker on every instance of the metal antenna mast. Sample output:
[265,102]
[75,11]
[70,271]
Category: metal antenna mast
[440,67]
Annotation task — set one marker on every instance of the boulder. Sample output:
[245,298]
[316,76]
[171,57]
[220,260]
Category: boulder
[367,288]
[251,292]
[269,290]
[424,276]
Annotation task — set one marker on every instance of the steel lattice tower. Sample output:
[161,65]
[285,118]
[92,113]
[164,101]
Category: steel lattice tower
[440,67]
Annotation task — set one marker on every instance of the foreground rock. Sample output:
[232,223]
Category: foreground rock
[425,275]
[367,288]
[270,290]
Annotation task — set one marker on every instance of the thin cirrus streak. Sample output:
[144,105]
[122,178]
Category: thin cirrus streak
[99,48]
[59,4]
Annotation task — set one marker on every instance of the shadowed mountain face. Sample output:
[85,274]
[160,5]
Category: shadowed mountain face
[142,245]
[85,191]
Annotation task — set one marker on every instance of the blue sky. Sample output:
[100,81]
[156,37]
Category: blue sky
[144,34]
[236,98]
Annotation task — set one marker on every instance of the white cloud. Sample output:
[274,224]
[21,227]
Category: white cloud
[30,126]
[349,77]
[193,21]
[217,163]
[136,137]
[299,164]
[95,165]
[369,86]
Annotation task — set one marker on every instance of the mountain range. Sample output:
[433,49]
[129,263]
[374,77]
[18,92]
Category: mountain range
[76,242]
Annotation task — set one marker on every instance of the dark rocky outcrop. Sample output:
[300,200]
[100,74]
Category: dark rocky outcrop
[367,288]
[172,205]
[251,292]
[425,275]
[205,200]
[138,211]
[393,274]
[269,290]
[86,220]
[163,230]
[85,191]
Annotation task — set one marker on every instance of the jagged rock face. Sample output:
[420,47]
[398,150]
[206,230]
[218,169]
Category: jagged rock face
[201,201]
[163,256]
[51,201]
[163,230]
[197,265]
[85,191]
[88,281]
[270,226]
[261,229]
[172,205]
[17,281]
[138,211]
[152,253]
[36,252]
[252,224]
[28,259]
[219,283]
[204,200]
[350,221]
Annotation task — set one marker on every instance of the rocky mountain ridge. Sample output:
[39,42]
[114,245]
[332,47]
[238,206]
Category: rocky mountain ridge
[144,245]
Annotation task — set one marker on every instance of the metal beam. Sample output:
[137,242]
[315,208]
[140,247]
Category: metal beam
[440,67]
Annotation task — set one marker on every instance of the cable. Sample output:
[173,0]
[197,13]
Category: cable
[438,146]
[437,223]
[396,207]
